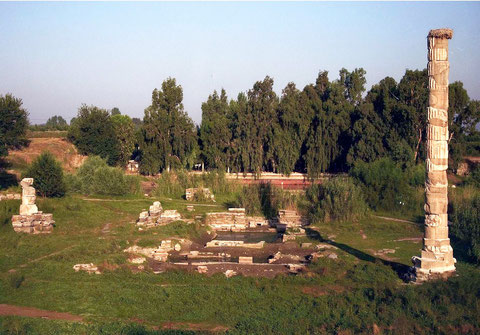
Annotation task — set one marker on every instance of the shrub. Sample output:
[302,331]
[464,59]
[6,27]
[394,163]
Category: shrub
[386,186]
[96,177]
[339,199]
[474,177]
[465,218]
[48,176]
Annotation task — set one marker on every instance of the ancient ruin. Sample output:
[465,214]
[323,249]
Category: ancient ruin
[437,255]
[233,220]
[30,219]
[156,216]
[200,193]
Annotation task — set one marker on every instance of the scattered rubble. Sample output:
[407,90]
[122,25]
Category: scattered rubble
[295,268]
[384,251]
[190,208]
[156,216]
[203,193]
[159,253]
[137,260]
[230,273]
[90,268]
[202,269]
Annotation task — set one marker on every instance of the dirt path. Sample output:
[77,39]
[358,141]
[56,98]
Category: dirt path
[37,313]
[43,257]
[396,220]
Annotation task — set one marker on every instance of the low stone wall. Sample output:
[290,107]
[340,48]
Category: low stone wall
[220,243]
[10,196]
[233,220]
[290,218]
[38,223]
[159,253]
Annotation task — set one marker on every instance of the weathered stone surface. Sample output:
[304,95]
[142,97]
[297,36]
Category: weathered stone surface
[437,254]
[233,220]
[230,273]
[28,206]
[31,220]
[159,253]
[157,216]
[190,193]
[245,260]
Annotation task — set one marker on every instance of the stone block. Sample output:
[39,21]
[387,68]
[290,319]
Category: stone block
[245,260]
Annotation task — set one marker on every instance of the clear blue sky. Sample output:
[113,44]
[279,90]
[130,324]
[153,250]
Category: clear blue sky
[56,56]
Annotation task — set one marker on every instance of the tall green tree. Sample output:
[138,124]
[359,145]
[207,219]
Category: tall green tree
[169,137]
[215,134]
[56,122]
[261,115]
[13,124]
[294,117]
[125,134]
[93,133]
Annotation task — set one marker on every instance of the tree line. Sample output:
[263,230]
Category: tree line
[328,126]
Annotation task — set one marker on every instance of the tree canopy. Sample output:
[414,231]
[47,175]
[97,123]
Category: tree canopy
[13,124]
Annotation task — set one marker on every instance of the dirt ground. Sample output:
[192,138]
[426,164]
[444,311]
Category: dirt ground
[37,313]
[64,151]
[291,253]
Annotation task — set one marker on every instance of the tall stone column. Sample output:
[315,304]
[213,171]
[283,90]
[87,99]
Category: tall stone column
[436,258]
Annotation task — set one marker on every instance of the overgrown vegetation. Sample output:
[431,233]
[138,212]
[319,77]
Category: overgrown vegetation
[386,186]
[465,217]
[339,199]
[264,199]
[96,177]
[173,184]
[47,174]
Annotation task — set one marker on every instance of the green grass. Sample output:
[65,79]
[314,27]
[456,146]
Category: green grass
[363,290]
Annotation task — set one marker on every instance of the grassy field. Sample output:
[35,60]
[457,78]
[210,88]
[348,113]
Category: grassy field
[352,294]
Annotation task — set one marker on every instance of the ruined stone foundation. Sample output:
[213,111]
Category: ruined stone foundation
[436,258]
[30,219]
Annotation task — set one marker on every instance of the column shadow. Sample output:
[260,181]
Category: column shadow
[403,271]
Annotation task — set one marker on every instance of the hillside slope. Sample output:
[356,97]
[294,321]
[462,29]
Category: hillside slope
[64,151]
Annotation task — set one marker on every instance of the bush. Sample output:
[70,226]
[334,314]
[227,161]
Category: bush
[465,218]
[339,199]
[47,176]
[474,177]
[386,186]
[96,177]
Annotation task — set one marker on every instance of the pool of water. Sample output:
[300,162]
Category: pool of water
[249,237]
